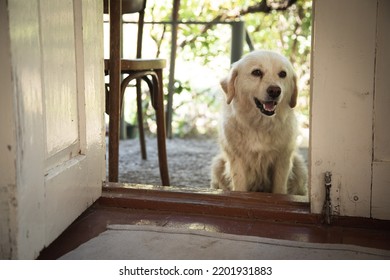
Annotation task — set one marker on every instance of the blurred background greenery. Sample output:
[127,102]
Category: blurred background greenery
[203,55]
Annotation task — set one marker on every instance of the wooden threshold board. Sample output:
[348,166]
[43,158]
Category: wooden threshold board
[253,205]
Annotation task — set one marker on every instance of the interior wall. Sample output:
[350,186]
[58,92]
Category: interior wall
[349,95]
[381,156]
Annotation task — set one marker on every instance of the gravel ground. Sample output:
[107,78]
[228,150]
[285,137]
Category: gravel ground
[189,162]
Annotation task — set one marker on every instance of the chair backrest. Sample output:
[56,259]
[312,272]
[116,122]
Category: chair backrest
[130,7]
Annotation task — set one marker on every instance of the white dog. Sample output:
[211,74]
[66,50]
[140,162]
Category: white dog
[259,129]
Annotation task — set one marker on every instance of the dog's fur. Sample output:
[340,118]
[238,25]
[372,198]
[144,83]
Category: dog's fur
[257,139]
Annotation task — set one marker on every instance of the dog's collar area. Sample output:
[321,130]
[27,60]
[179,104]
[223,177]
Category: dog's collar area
[267,108]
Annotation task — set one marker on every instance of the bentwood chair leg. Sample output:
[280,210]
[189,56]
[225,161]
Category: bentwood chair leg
[162,155]
[115,72]
[140,120]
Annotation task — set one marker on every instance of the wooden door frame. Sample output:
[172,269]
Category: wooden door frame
[257,205]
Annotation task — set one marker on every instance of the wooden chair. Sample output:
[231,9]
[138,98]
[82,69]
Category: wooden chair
[149,70]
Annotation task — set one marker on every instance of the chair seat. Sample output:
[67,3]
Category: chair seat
[138,64]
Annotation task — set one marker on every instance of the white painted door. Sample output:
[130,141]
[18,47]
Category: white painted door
[56,49]
[73,108]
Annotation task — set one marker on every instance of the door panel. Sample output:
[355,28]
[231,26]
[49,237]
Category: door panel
[56,49]
[59,80]
[79,166]
[74,176]
[59,77]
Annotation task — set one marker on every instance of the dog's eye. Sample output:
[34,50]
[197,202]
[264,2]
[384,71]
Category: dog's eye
[282,74]
[257,73]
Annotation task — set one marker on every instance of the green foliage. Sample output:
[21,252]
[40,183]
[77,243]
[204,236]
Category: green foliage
[203,53]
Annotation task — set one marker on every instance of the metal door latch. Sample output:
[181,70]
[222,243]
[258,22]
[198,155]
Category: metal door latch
[327,209]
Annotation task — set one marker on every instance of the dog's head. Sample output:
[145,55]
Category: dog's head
[263,80]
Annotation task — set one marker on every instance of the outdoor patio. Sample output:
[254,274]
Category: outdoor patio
[189,161]
[208,39]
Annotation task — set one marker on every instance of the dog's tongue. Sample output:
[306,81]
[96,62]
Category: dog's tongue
[269,106]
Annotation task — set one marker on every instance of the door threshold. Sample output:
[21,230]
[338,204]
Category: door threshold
[262,206]
[205,201]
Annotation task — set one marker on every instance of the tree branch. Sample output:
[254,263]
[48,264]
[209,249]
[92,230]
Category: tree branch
[264,6]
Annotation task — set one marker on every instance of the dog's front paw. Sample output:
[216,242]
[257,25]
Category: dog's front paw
[281,189]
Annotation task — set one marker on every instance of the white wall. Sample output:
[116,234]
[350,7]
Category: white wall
[349,106]
[381,127]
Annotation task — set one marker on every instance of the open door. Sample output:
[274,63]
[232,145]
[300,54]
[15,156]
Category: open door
[56,145]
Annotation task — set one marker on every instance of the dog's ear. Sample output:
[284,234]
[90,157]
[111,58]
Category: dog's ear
[294,96]
[227,85]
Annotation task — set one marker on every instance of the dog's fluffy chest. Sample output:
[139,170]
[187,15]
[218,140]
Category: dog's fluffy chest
[261,136]
[258,148]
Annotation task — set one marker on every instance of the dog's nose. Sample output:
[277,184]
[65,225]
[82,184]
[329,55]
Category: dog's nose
[274,91]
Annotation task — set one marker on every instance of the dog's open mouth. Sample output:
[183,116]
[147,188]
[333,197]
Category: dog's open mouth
[266,107]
